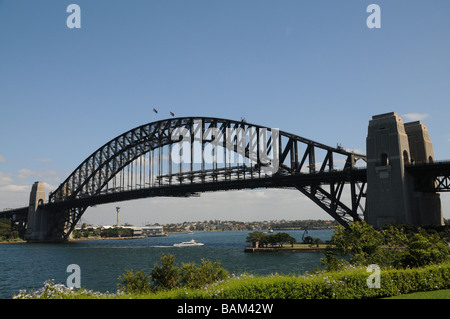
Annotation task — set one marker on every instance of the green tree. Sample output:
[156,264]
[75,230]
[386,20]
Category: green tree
[166,277]
[332,260]
[281,238]
[272,240]
[138,282]
[257,236]
[397,246]
[395,241]
[198,277]
[425,249]
[169,276]
[316,241]
[361,241]
[360,244]
[7,231]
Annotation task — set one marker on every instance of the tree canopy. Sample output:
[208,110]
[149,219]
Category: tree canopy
[272,239]
[393,246]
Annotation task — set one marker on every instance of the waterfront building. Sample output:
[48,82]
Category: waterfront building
[153,231]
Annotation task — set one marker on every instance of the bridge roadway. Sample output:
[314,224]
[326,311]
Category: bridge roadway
[438,172]
[431,177]
[187,189]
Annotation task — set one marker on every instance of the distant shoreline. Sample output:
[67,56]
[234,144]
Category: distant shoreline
[141,237]
[82,239]
[13,242]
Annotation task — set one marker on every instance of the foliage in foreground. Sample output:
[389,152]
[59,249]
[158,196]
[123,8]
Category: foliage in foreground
[394,249]
[351,283]
[51,290]
[169,276]
[392,246]
[348,284]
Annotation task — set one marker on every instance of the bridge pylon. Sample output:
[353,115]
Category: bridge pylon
[392,197]
[42,222]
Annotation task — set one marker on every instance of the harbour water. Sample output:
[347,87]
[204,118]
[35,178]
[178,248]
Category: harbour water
[28,266]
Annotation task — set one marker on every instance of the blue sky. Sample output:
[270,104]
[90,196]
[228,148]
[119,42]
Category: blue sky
[312,68]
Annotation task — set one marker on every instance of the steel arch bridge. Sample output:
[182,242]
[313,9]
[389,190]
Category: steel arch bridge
[189,155]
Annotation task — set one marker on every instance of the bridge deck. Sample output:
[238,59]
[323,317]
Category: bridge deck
[431,177]
[190,189]
[16,213]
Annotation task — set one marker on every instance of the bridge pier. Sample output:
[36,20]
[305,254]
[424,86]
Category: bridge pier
[391,194]
[42,222]
[427,207]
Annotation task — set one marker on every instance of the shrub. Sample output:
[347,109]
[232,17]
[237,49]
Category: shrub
[350,283]
[168,276]
[198,277]
[398,247]
[345,284]
[51,290]
[132,282]
[425,249]
[7,231]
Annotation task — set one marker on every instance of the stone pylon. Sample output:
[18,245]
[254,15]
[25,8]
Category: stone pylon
[36,225]
[391,198]
[43,224]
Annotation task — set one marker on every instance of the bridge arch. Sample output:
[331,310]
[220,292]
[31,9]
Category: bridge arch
[180,156]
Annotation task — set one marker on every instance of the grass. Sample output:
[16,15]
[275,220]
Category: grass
[437,294]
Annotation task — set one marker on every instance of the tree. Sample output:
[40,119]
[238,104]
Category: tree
[284,238]
[257,236]
[273,239]
[166,277]
[316,241]
[7,231]
[169,276]
[425,249]
[397,246]
[360,242]
[138,282]
[198,277]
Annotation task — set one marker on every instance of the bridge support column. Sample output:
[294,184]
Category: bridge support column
[427,207]
[391,197]
[42,222]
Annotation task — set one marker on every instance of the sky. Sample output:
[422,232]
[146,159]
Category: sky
[311,68]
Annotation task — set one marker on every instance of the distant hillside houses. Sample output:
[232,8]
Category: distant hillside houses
[212,225]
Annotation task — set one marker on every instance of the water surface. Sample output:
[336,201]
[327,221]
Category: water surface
[28,266]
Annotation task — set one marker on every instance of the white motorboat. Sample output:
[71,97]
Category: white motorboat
[188,243]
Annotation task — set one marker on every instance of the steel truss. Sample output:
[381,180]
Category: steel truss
[183,156]
[431,177]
